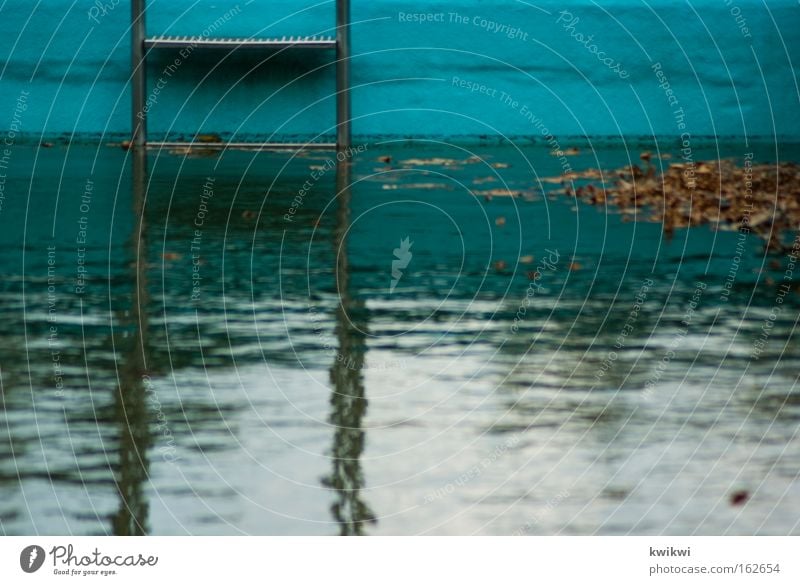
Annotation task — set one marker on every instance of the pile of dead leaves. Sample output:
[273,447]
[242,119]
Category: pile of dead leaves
[761,198]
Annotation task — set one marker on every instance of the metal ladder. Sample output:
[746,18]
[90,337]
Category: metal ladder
[142,45]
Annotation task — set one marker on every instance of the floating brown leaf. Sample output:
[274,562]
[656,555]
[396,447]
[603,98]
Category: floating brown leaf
[761,199]
[498,193]
[566,152]
[429,162]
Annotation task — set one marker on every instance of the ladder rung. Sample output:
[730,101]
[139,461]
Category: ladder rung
[245,145]
[172,42]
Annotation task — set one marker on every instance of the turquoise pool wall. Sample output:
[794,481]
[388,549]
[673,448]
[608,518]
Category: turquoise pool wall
[468,69]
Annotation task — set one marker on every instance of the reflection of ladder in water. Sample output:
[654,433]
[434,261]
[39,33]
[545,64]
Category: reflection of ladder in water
[142,45]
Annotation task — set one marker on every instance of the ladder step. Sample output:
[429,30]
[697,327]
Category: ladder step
[174,42]
[244,145]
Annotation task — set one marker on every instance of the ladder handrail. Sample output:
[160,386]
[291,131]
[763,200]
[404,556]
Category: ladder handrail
[342,73]
[138,74]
